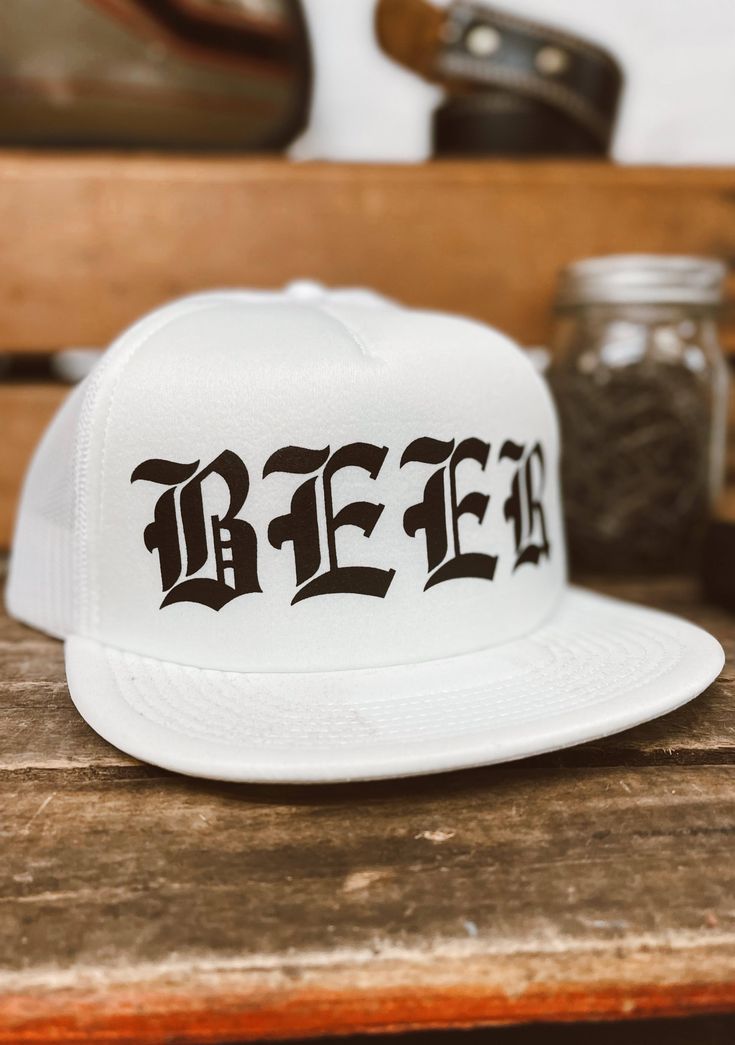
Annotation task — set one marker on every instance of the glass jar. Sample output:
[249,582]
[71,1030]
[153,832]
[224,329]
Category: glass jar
[640,383]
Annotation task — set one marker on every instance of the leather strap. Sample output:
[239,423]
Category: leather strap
[504,123]
[484,47]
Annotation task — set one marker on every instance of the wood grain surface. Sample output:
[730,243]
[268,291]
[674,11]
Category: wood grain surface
[92,241]
[140,906]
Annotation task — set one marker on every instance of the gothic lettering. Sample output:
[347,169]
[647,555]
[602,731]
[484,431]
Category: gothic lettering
[430,514]
[523,508]
[301,526]
[233,540]
[211,559]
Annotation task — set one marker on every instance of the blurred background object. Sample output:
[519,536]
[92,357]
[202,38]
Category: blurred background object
[641,387]
[196,74]
[514,87]
[676,107]
[235,74]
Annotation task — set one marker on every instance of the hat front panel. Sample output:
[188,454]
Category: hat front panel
[281,488]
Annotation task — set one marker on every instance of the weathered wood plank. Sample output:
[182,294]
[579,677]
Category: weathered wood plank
[170,907]
[138,906]
[486,239]
[702,1030]
[221,1006]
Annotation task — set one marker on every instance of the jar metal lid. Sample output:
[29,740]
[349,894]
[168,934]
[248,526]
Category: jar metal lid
[642,279]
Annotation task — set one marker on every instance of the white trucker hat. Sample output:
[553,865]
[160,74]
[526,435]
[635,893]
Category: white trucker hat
[312,536]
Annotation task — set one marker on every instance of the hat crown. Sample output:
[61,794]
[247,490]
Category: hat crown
[314,481]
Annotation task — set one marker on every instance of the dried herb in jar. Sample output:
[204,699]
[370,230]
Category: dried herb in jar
[640,385]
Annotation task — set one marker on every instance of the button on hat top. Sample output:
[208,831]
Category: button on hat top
[313,536]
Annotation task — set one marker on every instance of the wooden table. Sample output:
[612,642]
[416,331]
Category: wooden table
[140,906]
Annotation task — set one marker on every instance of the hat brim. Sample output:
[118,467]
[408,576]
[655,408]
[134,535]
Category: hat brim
[596,667]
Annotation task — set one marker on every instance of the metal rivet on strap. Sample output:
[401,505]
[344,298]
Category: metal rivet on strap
[482,40]
[551,61]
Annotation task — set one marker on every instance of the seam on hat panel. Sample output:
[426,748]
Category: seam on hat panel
[348,329]
[538,635]
[81,483]
[120,354]
[627,636]
[160,713]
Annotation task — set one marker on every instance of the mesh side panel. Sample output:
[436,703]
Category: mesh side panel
[40,584]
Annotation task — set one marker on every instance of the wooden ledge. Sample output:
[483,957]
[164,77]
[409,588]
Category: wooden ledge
[93,240]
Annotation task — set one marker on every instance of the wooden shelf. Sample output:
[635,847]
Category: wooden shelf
[92,240]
